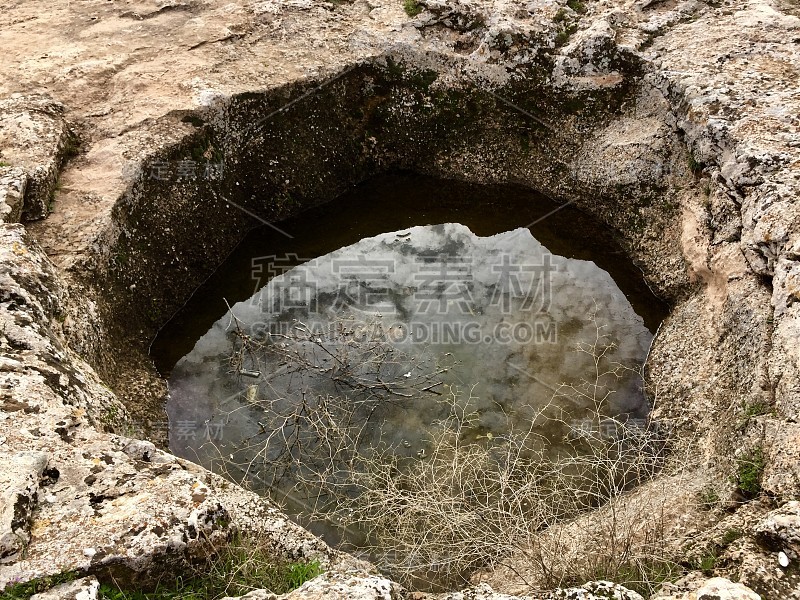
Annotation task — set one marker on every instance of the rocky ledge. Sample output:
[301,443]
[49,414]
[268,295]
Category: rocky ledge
[674,123]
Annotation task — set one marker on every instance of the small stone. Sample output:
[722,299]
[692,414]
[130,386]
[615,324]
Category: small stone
[783,560]
[89,552]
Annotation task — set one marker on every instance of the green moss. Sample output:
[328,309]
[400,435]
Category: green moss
[416,78]
[110,416]
[121,258]
[755,409]
[424,78]
[395,69]
[749,470]
[25,590]
[578,6]
[564,18]
[412,7]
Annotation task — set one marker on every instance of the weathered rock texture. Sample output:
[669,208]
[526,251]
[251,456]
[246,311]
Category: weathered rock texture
[85,588]
[75,497]
[674,123]
[36,139]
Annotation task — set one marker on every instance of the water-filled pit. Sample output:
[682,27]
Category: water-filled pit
[407,305]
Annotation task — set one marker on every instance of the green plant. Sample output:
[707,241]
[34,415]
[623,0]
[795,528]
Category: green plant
[641,576]
[562,37]
[241,567]
[706,563]
[20,591]
[749,470]
[578,6]
[71,146]
[751,410]
[731,535]
[111,416]
[709,498]
[695,166]
[181,589]
[299,573]
[755,409]
[4,164]
[412,7]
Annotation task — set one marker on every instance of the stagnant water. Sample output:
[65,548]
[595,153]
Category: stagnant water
[403,293]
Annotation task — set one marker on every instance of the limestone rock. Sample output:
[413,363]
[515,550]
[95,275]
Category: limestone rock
[35,137]
[85,588]
[336,586]
[780,530]
[103,503]
[716,588]
[344,586]
[360,587]
[19,485]
[13,183]
[725,74]
[593,590]
[782,472]
[719,588]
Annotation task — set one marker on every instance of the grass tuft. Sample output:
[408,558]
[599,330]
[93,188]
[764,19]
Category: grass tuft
[412,7]
[749,470]
[695,166]
[709,498]
[243,566]
[578,6]
[236,572]
[23,591]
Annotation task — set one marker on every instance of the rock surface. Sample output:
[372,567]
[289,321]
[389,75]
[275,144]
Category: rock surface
[716,588]
[349,587]
[34,137]
[76,497]
[20,486]
[85,588]
[676,123]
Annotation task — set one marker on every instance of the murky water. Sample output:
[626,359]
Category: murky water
[381,299]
